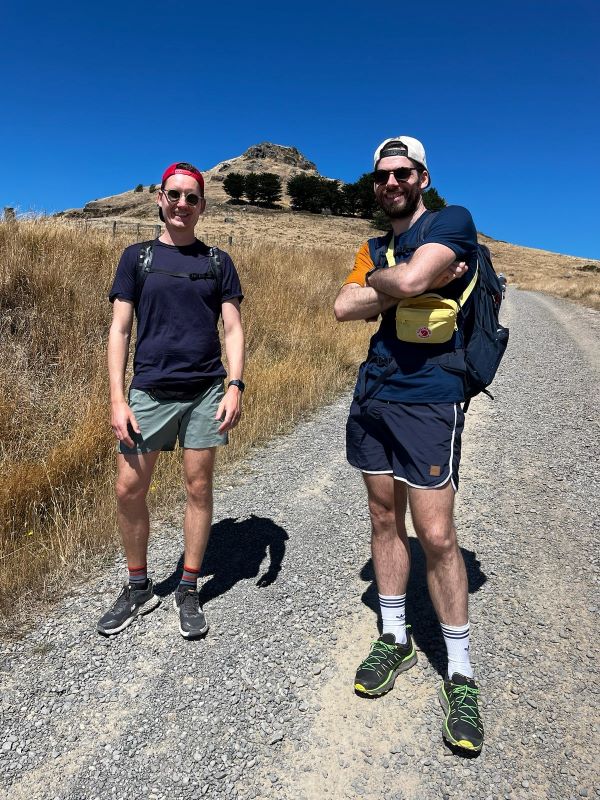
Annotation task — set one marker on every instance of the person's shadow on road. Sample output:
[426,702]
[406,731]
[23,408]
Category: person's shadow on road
[235,552]
[420,613]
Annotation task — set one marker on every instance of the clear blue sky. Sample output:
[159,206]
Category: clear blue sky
[504,95]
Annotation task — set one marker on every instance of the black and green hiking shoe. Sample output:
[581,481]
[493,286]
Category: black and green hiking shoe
[377,673]
[462,726]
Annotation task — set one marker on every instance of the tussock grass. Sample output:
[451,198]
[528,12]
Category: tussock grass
[568,277]
[56,446]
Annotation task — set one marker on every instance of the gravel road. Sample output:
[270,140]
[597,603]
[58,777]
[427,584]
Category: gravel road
[264,707]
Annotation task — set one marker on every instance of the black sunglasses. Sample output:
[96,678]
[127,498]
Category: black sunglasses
[382,176]
[173,195]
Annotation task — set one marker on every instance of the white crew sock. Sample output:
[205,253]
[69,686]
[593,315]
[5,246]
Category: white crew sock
[457,645]
[393,615]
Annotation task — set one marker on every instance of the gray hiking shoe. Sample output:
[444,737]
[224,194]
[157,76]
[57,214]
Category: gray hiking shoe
[129,604]
[192,622]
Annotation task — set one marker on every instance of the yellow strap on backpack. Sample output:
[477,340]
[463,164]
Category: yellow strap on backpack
[428,318]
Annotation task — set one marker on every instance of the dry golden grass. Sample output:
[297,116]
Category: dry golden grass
[56,447]
[576,279]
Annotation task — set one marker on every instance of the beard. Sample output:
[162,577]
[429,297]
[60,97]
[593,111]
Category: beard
[402,208]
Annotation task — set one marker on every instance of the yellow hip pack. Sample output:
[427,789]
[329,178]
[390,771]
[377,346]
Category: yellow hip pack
[428,318]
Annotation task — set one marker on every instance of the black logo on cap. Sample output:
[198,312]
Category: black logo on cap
[394,149]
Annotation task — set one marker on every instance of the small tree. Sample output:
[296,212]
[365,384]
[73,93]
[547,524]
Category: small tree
[365,196]
[304,191]
[152,188]
[251,186]
[433,200]
[139,188]
[296,189]
[331,197]
[350,193]
[234,185]
[269,188]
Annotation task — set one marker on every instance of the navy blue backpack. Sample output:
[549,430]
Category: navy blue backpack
[485,338]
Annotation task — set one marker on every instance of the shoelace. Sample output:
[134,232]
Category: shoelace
[375,658]
[124,598]
[464,700]
[191,598]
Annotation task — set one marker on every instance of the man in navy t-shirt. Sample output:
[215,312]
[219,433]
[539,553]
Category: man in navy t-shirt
[177,391]
[405,423]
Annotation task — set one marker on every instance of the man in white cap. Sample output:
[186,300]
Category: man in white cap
[405,423]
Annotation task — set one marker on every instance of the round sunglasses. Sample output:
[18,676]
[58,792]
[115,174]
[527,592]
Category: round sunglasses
[173,195]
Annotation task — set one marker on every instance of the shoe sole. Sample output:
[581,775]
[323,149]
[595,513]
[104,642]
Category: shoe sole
[189,634]
[148,606]
[388,685]
[464,744]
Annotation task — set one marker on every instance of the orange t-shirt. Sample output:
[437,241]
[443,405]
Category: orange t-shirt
[362,265]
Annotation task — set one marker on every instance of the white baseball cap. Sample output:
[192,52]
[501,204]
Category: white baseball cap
[401,146]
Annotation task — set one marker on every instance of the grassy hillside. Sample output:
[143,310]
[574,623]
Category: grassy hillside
[572,278]
[56,446]
[576,279]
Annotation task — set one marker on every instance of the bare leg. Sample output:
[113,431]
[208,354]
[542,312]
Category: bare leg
[389,542]
[433,517]
[133,480]
[198,466]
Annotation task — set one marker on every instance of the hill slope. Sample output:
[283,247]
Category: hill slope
[286,162]
[223,222]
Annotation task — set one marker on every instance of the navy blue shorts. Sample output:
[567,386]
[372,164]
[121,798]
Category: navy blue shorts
[417,443]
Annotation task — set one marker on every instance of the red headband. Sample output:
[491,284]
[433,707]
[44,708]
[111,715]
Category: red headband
[175,170]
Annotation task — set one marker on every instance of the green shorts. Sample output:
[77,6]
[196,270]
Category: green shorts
[163,422]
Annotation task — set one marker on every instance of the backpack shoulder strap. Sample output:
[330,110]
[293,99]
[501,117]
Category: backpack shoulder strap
[468,291]
[143,267]
[216,267]
[423,231]
[377,244]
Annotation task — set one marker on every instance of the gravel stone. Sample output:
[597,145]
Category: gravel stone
[236,715]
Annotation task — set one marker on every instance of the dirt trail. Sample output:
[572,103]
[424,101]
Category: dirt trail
[264,706]
[533,525]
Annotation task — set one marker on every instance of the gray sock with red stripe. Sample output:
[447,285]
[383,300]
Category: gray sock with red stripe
[189,579]
[138,576]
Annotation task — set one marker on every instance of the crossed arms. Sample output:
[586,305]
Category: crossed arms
[430,267]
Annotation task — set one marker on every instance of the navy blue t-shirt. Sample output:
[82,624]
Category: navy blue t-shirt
[178,343]
[417,379]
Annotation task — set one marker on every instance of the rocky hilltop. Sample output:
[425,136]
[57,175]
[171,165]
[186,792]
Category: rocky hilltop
[264,157]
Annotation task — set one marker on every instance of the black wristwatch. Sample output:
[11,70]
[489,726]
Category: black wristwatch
[369,273]
[240,384]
